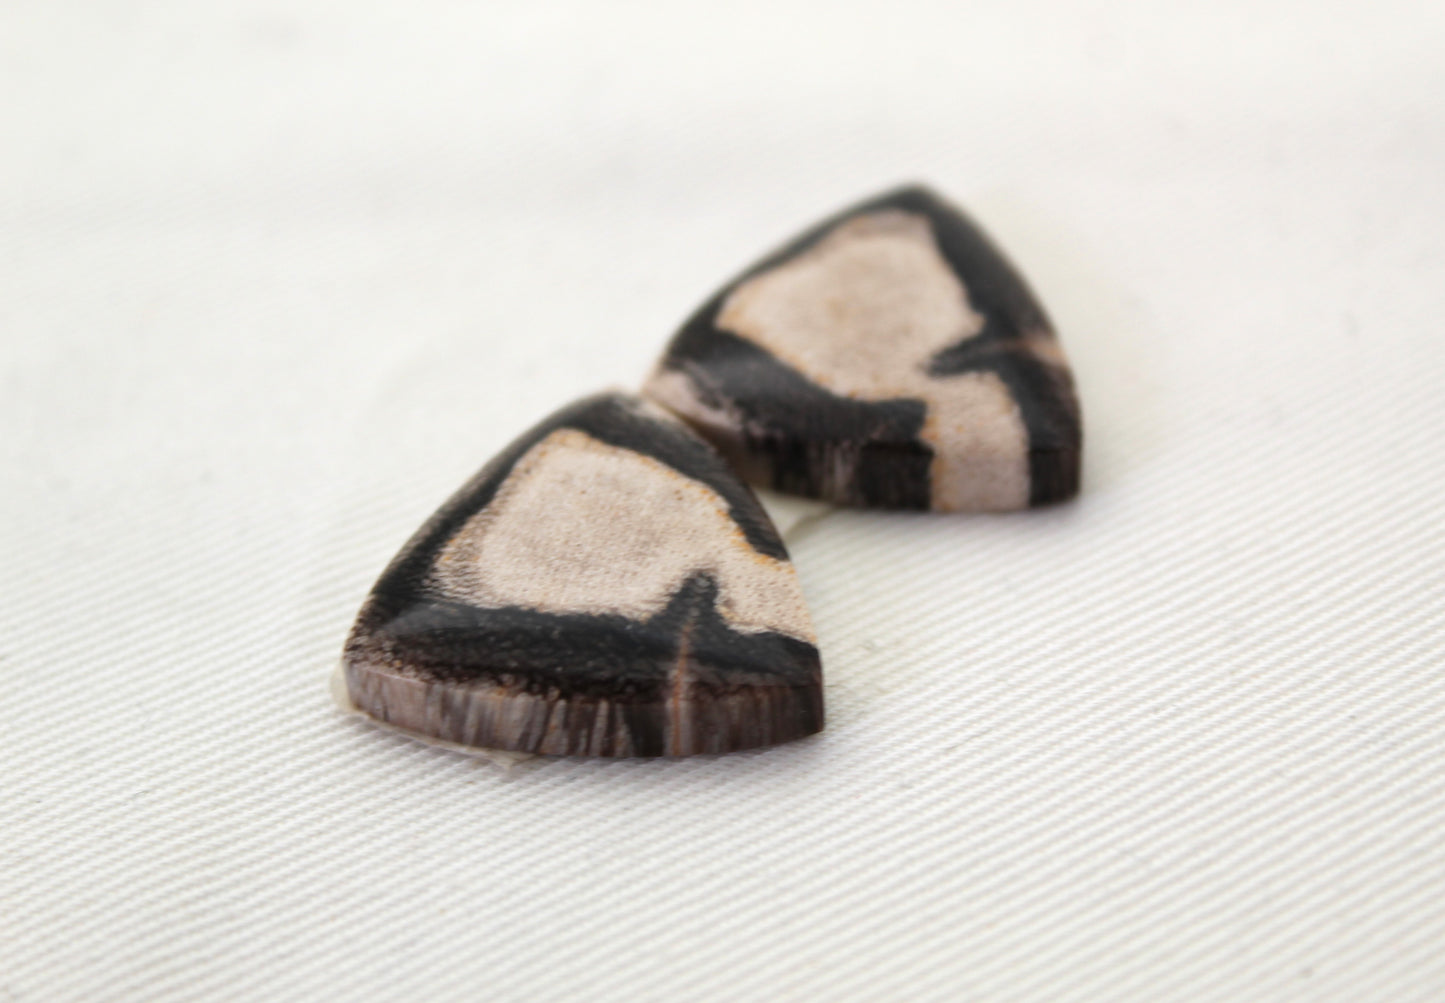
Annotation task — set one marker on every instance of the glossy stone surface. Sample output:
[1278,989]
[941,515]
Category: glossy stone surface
[607,587]
[889,357]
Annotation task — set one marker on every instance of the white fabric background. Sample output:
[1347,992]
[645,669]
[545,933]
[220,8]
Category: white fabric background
[274,278]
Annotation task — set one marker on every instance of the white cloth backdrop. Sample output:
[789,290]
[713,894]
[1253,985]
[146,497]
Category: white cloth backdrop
[275,278]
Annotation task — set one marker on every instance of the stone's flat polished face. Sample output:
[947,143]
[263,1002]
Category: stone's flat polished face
[889,357]
[605,587]
[585,527]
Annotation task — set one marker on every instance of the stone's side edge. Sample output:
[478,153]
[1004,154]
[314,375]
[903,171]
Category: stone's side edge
[485,714]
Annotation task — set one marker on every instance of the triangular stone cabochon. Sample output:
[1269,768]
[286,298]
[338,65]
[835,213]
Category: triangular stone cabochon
[889,357]
[606,586]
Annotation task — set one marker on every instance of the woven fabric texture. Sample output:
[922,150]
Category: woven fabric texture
[278,277]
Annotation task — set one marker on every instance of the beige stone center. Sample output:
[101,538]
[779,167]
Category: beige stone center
[584,527]
[861,313]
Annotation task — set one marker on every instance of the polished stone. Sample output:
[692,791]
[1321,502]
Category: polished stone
[606,587]
[889,357]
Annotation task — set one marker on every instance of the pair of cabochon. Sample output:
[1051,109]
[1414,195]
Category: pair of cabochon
[610,586]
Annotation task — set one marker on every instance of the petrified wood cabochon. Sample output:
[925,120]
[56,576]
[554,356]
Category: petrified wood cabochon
[889,357]
[607,587]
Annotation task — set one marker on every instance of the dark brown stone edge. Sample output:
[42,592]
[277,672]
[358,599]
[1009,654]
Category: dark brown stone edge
[486,715]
